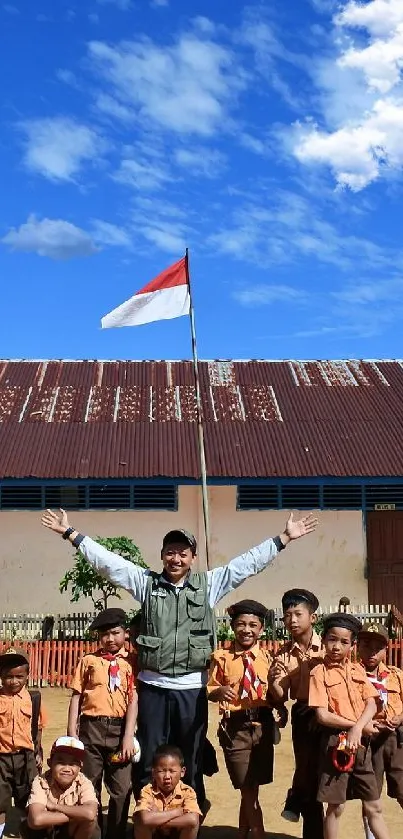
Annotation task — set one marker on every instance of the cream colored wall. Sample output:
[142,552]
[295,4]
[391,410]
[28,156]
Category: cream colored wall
[331,562]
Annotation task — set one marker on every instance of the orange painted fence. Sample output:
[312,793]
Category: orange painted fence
[52,663]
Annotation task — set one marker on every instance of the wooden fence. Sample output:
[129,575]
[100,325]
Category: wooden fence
[52,663]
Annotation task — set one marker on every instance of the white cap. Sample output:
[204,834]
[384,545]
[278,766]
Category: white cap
[69,744]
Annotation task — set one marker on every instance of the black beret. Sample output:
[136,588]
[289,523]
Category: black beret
[180,537]
[13,658]
[294,596]
[342,620]
[248,607]
[109,618]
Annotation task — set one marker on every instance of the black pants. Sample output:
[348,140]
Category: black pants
[306,740]
[17,771]
[102,736]
[177,717]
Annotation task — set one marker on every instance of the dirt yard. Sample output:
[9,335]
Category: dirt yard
[222,818]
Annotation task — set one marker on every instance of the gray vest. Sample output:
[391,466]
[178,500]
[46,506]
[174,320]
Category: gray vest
[177,633]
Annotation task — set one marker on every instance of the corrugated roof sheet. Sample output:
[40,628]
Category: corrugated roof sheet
[120,419]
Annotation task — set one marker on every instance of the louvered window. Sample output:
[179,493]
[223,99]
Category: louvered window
[383,494]
[109,496]
[301,497]
[342,497]
[21,497]
[69,497]
[255,497]
[154,497]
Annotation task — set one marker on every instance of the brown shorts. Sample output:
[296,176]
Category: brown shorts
[248,749]
[338,787]
[17,771]
[387,760]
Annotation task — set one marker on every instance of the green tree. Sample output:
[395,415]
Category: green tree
[84,581]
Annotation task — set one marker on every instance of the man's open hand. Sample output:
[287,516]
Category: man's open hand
[296,529]
[55,521]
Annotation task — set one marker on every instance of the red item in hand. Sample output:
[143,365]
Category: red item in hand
[343,760]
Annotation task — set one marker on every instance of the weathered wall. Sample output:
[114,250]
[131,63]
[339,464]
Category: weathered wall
[331,562]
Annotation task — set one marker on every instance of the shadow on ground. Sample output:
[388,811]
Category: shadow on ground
[222,832]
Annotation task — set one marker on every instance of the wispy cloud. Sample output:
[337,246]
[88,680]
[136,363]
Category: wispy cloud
[54,238]
[142,174]
[199,160]
[105,233]
[186,87]
[362,142]
[58,147]
[10,9]
[264,294]
[124,5]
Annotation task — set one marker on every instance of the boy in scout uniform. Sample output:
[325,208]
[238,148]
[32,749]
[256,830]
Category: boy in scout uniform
[387,745]
[103,711]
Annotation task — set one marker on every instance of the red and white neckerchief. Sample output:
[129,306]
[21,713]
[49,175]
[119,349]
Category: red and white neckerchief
[113,672]
[379,682]
[250,679]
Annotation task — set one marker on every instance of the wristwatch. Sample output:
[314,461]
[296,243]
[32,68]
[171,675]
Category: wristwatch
[67,533]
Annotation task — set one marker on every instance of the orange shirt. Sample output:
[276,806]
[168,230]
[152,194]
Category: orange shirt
[91,679]
[15,721]
[394,687]
[81,791]
[227,668]
[342,689]
[182,797]
[297,665]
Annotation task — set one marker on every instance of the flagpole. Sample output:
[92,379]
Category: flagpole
[202,451]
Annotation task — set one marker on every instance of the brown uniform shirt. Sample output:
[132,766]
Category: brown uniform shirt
[182,797]
[297,665]
[91,679]
[15,721]
[342,689]
[227,668]
[394,686]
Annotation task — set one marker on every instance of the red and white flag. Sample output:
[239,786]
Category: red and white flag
[165,297]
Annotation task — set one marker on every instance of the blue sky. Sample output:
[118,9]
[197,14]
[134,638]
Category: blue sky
[268,138]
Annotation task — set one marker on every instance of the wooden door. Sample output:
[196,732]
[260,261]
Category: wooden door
[385,557]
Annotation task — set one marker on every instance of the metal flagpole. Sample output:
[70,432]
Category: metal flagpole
[202,452]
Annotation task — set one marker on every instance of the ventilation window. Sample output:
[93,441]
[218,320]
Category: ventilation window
[255,497]
[342,497]
[109,496]
[67,497]
[383,494]
[155,497]
[301,497]
[21,497]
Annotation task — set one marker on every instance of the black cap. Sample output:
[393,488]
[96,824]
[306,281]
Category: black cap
[342,620]
[109,618]
[180,537]
[248,607]
[376,629]
[294,596]
[13,658]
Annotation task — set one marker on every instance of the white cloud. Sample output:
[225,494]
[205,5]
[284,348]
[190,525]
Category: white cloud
[201,161]
[58,147]
[252,143]
[54,238]
[186,87]
[159,3]
[124,5]
[363,294]
[141,174]
[261,295]
[361,90]
[167,237]
[112,108]
[105,233]
[10,9]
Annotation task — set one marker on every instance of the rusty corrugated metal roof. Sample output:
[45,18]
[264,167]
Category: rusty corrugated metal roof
[120,419]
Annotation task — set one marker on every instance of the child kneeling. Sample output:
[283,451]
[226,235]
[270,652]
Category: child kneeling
[63,802]
[167,804]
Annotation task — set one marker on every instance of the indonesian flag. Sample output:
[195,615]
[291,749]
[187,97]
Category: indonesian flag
[165,297]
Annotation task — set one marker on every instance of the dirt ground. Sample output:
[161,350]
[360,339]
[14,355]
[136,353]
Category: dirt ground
[222,818]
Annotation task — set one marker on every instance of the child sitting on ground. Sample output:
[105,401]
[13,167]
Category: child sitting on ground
[21,723]
[239,682]
[62,802]
[167,803]
[345,704]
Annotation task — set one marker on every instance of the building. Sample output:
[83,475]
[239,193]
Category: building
[116,443]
